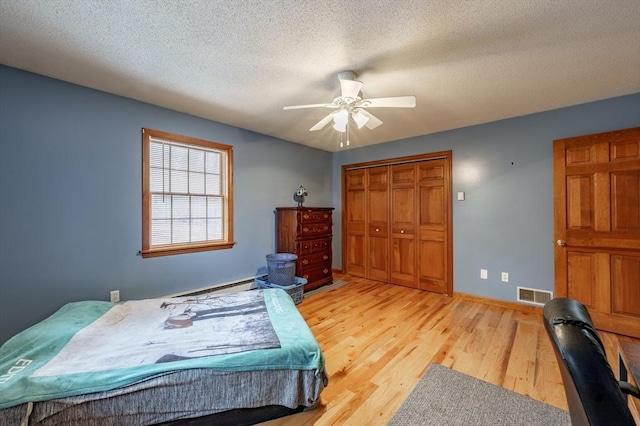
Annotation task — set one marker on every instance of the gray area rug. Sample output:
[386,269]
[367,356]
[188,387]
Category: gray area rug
[325,288]
[447,397]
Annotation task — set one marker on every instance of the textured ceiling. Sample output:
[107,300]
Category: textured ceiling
[239,62]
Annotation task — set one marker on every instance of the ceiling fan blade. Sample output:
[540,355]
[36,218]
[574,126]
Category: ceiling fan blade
[395,102]
[373,121]
[309,106]
[320,124]
[350,88]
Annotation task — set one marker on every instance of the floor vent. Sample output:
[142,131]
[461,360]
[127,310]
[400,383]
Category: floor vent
[241,285]
[535,296]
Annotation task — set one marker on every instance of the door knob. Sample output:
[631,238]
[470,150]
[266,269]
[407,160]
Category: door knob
[561,243]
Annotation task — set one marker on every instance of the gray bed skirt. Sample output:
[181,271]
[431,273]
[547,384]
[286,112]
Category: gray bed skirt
[175,396]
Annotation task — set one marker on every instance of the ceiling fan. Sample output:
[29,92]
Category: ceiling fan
[350,104]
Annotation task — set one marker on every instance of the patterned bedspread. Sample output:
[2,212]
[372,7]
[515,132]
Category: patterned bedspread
[96,346]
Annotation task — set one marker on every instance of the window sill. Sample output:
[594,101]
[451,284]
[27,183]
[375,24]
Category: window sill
[183,249]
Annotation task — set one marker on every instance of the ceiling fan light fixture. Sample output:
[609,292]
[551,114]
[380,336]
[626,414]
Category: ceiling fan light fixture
[350,104]
[340,127]
[340,120]
[360,119]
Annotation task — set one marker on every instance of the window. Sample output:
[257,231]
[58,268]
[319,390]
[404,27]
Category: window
[186,194]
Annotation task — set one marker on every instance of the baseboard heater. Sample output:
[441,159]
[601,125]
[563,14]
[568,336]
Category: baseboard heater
[534,296]
[229,287]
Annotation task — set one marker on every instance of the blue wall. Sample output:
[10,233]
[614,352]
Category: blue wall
[71,203]
[505,169]
[70,195]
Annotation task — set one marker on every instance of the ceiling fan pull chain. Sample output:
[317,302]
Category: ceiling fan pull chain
[347,134]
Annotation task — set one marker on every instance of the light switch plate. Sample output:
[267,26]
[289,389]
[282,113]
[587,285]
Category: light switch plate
[484,274]
[460,196]
[505,277]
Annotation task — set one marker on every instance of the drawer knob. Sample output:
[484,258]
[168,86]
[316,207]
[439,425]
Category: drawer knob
[325,257]
[305,261]
[305,229]
[402,231]
[377,229]
[325,270]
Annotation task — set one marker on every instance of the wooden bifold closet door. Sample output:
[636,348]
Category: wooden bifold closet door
[397,221]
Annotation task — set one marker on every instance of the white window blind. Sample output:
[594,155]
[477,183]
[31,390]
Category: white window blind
[187,189]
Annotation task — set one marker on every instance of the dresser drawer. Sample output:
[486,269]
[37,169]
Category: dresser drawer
[311,261]
[314,246]
[314,217]
[317,274]
[314,229]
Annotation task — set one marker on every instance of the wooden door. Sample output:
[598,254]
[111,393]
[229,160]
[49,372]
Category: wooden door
[377,230]
[597,226]
[355,247]
[403,225]
[397,222]
[434,222]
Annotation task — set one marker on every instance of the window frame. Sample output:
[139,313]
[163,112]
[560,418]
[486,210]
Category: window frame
[181,248]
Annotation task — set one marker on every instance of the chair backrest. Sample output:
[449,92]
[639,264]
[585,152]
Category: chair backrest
[593,393]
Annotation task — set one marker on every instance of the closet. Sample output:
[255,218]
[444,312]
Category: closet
[397,221]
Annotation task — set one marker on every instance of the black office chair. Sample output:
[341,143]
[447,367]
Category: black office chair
[594,395]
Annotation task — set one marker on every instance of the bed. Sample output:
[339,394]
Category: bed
[238,358]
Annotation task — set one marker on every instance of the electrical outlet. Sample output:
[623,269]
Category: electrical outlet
[484,274]
[505,277]
[114,295]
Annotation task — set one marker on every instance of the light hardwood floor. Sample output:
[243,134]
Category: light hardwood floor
[378,340]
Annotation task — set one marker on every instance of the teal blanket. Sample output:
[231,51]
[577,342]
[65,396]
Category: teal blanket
[96,346]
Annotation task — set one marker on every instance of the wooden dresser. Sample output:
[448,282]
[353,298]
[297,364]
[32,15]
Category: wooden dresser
[306,232]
